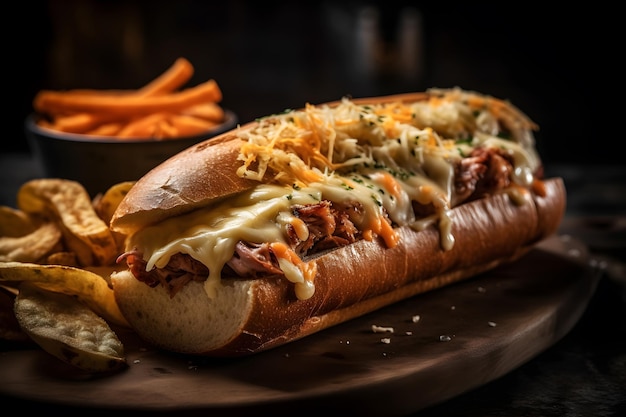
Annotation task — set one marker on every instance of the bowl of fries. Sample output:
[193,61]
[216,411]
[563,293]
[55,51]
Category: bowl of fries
[103,137]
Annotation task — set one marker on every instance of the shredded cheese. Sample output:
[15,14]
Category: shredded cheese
[383,157]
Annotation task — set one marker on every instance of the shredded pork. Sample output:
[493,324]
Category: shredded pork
[483,172]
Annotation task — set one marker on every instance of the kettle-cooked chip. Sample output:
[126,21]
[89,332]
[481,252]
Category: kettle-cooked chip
[15,223]
[106,204]
[88,286]
[69,201]
[62,258]
[31,247]
[10,330]
[68,329]
[83,252]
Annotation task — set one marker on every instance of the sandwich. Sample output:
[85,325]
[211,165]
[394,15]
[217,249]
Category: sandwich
[302,220]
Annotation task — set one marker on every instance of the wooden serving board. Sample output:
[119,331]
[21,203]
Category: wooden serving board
[467,334]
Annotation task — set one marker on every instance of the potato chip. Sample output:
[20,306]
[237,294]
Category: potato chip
[15,223]
[88,286]
[10,330]
[61,258]
[82,250]
[31,247]
[68,329]
[107,203]
[70,202]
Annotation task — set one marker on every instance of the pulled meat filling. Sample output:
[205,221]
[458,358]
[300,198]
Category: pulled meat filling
[328,228]
[483,172]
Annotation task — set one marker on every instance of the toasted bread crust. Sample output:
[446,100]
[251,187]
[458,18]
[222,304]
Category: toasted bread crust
[351,280]
[181,184]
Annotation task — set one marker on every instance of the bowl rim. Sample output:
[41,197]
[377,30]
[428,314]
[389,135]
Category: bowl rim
[230,122]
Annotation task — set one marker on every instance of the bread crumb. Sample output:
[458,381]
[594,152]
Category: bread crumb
[380,329]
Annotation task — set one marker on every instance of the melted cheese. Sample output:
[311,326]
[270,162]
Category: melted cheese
[382,157]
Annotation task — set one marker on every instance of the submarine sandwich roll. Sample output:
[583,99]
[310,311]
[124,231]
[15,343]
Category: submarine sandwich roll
[302,220]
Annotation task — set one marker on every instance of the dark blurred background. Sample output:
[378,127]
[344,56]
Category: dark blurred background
[560,65]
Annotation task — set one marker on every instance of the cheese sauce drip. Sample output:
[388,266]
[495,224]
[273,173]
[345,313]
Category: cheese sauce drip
[382,156]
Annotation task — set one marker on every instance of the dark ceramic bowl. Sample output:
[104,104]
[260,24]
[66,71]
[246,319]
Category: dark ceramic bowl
[99,162]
